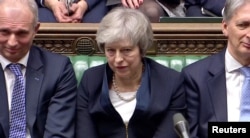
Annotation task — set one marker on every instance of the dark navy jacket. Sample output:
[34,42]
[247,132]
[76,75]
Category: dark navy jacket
[159,97]
[193,7]
[205,83]
[50,96]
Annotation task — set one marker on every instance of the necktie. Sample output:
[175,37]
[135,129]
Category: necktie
[245,96]
[17,114]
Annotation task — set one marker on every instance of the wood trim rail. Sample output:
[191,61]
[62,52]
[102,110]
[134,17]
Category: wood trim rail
[170,38]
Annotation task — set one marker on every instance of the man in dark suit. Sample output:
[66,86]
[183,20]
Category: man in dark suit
[204,8]
[214,84]
[88,11]
[49,79]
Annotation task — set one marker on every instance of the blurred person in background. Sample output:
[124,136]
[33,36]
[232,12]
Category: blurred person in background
[153,9]
[70,11]
[204,8]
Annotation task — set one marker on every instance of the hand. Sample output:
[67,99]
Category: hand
[133,4]
[59,10]
[78,11]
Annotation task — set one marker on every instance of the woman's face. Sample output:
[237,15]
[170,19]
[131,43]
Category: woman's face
[124,59]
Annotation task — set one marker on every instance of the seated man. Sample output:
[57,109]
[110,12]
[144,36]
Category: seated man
[38,88]
[90,11]
[217,87]
[204,8]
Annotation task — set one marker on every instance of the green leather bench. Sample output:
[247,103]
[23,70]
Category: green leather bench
[177,62]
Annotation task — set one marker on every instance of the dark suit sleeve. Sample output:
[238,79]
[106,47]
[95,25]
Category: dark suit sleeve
[171,2]
[61,111]
[92,3]
[40,3]
[177,105]
[193,8]
[192,103]
[97,9]
[215,6]
[85,127]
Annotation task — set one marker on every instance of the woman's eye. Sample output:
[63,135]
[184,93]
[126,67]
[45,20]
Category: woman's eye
[110,51]
[127,50]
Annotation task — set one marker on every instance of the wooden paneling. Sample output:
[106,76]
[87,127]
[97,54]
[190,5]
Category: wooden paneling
[170,38]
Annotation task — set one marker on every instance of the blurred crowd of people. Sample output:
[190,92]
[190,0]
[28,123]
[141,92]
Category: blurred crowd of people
[92,11]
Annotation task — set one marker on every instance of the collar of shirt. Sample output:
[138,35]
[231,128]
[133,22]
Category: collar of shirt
[5,62]
[231,64]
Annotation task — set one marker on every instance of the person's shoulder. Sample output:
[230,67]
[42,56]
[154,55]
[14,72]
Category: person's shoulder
[47,58]
[96,69]
[46,53]
[205,63]
[154,63]
[155,66]
[163,73]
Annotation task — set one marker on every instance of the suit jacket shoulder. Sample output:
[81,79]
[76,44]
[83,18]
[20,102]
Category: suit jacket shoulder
[212,63]
[51,90]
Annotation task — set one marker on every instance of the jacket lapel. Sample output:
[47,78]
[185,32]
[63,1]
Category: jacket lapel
[4,115]
[34,78]
[217,87]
